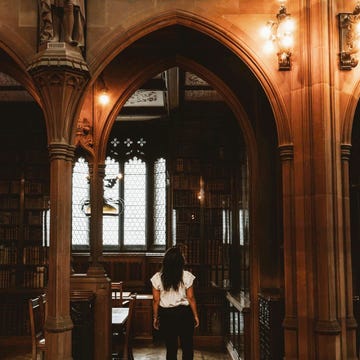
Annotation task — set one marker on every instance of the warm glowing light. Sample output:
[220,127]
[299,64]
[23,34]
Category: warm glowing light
[266,31]
[269,47]
[279,37]
[287,41]
[289,25]
[357,29]
[104,98]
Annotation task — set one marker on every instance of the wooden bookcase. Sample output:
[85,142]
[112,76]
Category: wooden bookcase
[205,162]
[24,207]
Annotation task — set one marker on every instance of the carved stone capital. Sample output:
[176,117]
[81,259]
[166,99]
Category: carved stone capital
[61,151]
[61,76]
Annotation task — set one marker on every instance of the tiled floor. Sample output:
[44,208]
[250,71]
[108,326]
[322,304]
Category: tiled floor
[143,353]
[158,353]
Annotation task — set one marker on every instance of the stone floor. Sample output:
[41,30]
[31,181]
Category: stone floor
[140,353]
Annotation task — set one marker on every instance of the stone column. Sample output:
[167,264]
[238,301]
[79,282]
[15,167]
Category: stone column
[290,320]
[60,75]
[58,322]
[351,324]
[97,174]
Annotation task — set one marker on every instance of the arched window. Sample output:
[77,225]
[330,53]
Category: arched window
[134,212]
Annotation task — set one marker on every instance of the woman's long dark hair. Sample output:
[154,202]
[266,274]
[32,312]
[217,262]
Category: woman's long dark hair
[172,269]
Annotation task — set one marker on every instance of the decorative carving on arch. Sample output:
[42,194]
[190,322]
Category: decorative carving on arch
[84,135]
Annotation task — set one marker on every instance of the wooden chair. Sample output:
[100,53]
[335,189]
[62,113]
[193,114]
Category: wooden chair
[37,318]
[122,342]
[43,305]
[117,294]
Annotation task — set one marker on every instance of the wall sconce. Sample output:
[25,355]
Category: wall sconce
[279,35]
[104,97]
[349,37]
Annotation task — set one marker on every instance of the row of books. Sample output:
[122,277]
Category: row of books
[7,278]
[35,278]
[12,233]
[9,233]
[186,198]
[186,181]
[185,232]
[8,255]
[9,202]
[189,165]
[32,255]
[9,218]
[12,217]
[14,187]
[36,255]
[36,202]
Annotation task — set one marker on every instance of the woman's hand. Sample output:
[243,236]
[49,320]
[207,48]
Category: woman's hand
[156,323]
[197,322]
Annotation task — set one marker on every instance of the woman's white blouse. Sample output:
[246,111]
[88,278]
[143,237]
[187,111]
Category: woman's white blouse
[173,298]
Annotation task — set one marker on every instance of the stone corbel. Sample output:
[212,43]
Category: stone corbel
[84,135]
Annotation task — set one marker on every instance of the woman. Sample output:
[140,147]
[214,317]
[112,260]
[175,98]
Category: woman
[174,305]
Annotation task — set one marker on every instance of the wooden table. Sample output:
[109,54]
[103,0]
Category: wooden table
[119,315]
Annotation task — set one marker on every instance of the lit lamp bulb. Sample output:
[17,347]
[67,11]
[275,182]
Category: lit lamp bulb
[289,25]
[266,30]
[287,41]
[104,97]
[269,47]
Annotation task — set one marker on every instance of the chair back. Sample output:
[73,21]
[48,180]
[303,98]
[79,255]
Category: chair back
[117,294]
[128,353]
[43,306]
[37,318]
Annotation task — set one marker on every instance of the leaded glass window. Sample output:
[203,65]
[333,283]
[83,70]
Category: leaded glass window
[80,197]
[111,224]
[160,202]
[134,212]
[135,202]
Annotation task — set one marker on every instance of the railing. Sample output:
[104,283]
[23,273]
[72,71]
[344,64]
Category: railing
[238,327]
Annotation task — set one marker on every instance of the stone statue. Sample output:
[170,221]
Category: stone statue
[62,20]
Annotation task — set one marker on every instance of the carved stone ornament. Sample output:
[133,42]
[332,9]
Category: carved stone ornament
[349,38]
[84,135]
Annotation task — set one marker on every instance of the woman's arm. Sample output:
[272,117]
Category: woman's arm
[156,302]
[192,301]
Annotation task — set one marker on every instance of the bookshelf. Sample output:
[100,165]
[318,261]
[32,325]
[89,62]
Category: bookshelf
[24,211]
[23,207]
[205,166]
